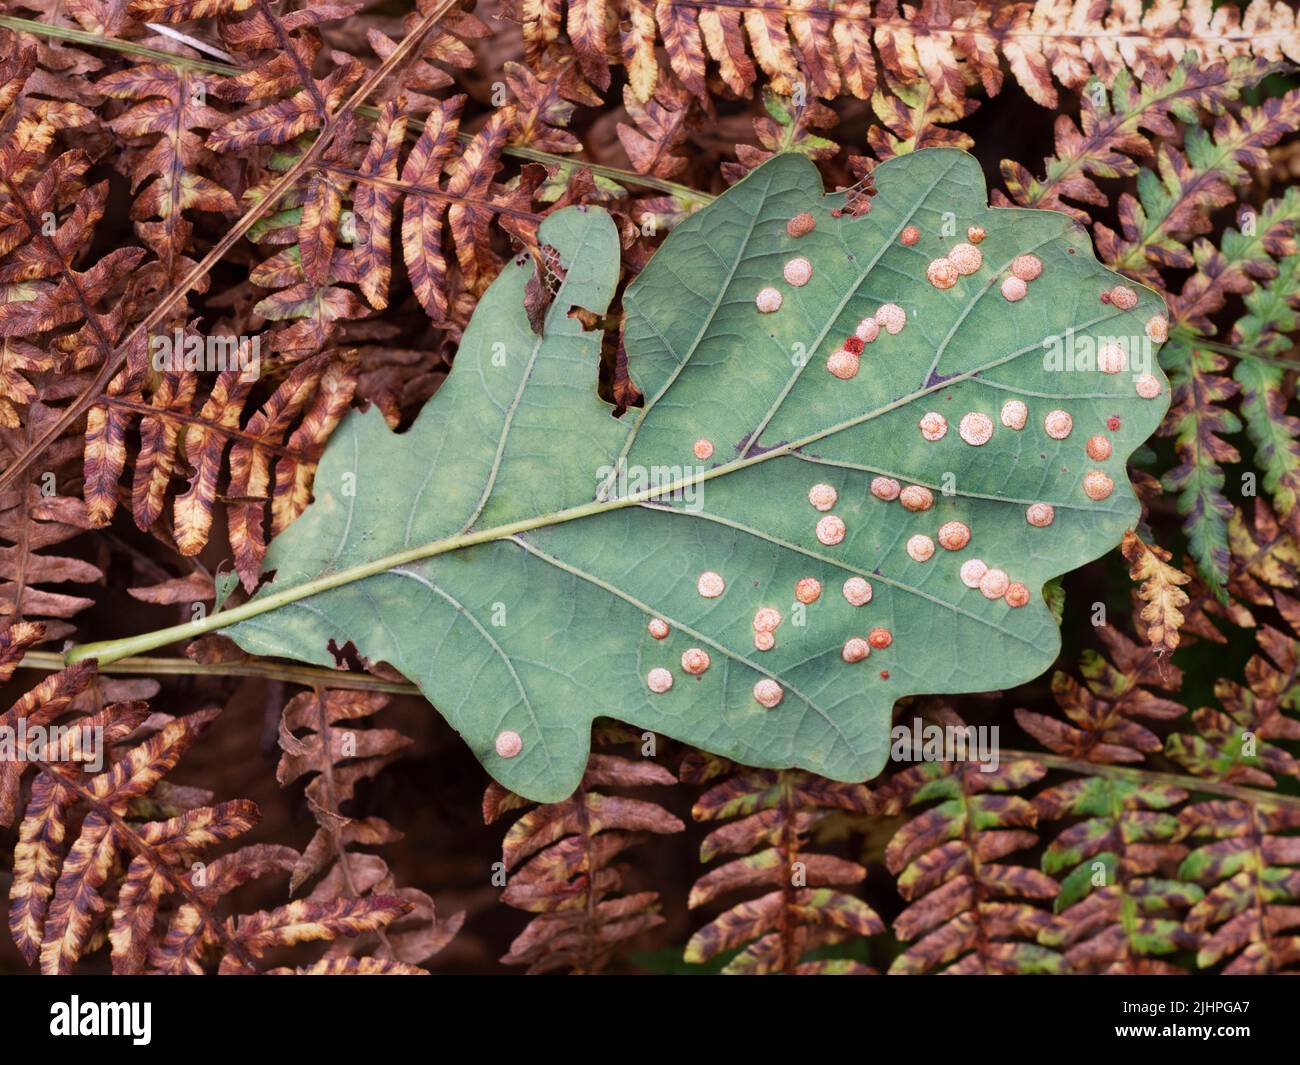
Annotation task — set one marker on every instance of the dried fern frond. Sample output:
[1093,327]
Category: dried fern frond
[442,185]
[272,457]
[284,120]
[1264,557]
[37,709]
[450,45]
[659,125]
[1159,588]
[561,862]
[1121,901]
[15,640]
[320,739]
[32,520]
[1101,709]
[963,914]
[1233,744]
[40,238]
[1112,136]
[62,310]
[107,854]
[913,117]
[848,48]
[1242,258]
[787,126]
[335,756]
[1271,314]
[1198,418]
[807,903]
[195,937]
[1176,199]
[170,104]
[1249,912]
[315,395]
[57,900]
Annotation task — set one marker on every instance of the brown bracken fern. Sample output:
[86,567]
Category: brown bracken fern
[807,901]
[559,858]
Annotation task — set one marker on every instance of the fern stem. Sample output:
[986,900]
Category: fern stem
[1187,336]
[206,424]
[613,173]
[268,669]
[96,40]
[1152,776]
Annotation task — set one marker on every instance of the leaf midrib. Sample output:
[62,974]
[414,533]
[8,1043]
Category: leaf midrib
[112,650]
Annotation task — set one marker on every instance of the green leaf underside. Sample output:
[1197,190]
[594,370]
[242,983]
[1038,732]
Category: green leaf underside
[542,626]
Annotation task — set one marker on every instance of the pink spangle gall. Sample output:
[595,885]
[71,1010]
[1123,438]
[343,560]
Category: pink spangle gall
[915,498]
[703,449]
[768,693]
[880,638]
[764,641]
[993,585]
[843,364]
[933,426]
[800,224]
[975,428]
[1113,423]
[855,649]
[659,680]
[822,496]
[1157,328]
[710,585]
[910,235]
[767,619]
[1058,424]
[509,744]
[1096,485]
[830,530]
[1098,448]
[972,572]
[1123,297]
[920,548]
[966,258]
[1040,515]
[798,271]
[857,591]
[695,660]
[885,488]
[1026,267]
[867,331]
[891,318]
[1017,594]
[1147,386]
[975,234]
[954,535]
[808,590]
[942,273]
[1014,414]
[658,628]
[1014,289]
[1112,358]
[768,300]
